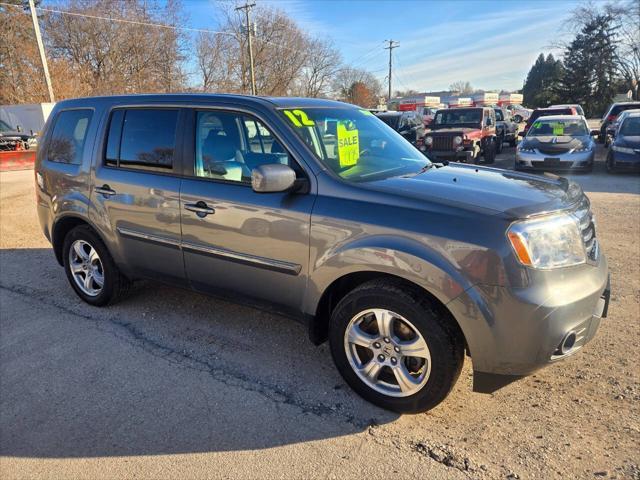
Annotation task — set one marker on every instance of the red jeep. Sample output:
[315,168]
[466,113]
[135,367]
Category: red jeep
[463,134]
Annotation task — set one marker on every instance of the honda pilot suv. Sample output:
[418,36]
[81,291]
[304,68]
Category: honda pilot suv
[321,211]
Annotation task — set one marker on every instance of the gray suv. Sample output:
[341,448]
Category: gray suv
[321,211]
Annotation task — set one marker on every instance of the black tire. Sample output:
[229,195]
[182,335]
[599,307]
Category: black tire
[499,144]
[517,118]
[609,164]
[490,152]
[115,286]
[435,325]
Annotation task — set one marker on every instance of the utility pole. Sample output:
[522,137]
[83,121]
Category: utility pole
[247,8]
[43,58]
[392,44]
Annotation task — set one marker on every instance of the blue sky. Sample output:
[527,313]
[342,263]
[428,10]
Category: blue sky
[492,44]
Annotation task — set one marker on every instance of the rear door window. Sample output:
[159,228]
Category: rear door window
[142,139]
[69,135]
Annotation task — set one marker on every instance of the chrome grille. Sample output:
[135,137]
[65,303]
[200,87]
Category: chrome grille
[588,228]
[442,142]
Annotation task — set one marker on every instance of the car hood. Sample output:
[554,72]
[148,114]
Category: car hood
[484,189]
[454,130]
[561,142]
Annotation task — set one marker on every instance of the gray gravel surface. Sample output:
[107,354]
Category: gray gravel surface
[173,384]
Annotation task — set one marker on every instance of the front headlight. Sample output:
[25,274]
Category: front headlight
[457,140]
[428,140]
[525,149]
[548,242]
[628,150]
[584,148]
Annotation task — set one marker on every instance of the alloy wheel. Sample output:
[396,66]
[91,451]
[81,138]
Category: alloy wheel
[86,268]
[387,352]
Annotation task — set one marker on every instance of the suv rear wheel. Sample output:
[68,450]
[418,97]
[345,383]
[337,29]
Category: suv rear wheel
[90,269]
[394,348]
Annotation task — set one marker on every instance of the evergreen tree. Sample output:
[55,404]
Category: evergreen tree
[540,87]
[589,68]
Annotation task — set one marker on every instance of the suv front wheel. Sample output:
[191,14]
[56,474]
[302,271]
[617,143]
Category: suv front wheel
[90,269]
[489,153]
[394,347]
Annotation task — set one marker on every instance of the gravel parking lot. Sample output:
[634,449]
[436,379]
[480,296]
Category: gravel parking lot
[172,384]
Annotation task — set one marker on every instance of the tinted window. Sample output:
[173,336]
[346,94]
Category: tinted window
[142,138]
[631,127]
[68,137]
[229,145]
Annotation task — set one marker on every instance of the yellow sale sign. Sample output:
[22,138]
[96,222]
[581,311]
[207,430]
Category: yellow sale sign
[348,145]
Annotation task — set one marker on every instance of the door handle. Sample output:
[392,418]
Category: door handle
[200,208]
[105,190]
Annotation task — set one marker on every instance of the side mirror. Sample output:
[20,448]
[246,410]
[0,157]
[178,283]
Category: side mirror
[595,133]
[272,178]
[521,134]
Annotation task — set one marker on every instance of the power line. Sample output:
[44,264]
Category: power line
[121,20]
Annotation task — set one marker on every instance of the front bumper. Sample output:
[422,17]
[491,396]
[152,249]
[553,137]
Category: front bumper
[512,332]
[467,156]
[566,161]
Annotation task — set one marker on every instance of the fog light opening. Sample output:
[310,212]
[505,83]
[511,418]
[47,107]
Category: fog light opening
[568,343]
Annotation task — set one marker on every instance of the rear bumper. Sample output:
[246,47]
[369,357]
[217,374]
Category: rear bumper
[514,332]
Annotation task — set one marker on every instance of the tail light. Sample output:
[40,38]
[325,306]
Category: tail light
[611,118]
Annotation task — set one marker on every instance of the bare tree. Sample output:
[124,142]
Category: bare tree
[322,63]
[462,87]
[113,57]
[21,75]
[345,85]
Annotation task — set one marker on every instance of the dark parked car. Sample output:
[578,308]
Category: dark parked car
[316,209]
[408,124]
[463,134]
[557,143]
[546,112]
[610,116]
[612,128]
[506,128]
[624,153]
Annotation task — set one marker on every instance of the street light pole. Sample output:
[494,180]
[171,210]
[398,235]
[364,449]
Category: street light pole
[247,8]
[43,58]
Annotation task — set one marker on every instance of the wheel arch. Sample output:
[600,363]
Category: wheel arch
[62,227]
[319,323]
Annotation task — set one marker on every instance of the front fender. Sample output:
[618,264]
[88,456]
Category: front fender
[402,257]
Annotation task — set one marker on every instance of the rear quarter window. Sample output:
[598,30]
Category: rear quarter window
[69,135]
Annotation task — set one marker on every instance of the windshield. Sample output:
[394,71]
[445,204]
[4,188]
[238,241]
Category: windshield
[631,127]
[354,144]
[458,116]
[4,127]
[571,128]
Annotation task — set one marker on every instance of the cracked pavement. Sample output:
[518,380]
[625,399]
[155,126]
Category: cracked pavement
[174,384]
